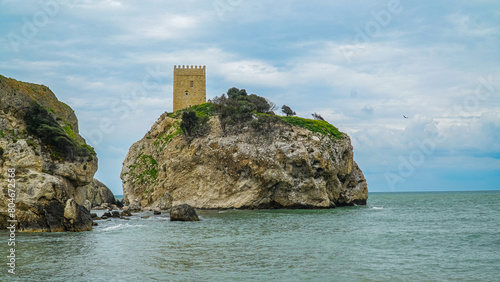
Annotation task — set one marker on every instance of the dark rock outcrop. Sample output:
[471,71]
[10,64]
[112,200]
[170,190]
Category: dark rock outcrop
[126,213]
[183,212]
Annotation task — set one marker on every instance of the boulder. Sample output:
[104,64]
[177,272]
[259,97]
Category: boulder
[87,205]
[98,193]
[70,211]
[183,212]
[115,214]
[126,213]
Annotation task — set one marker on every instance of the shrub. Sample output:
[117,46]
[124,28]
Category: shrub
[266,124]
[317,117]
[287,111]
[41,123]
[236,108]
[194,126]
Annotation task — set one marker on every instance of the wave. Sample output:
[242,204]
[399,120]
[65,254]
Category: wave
[377,208]
[119,226]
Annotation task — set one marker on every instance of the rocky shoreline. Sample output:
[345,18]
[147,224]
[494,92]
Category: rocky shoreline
[268,163]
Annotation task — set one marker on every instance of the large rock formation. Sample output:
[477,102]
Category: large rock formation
[39,139]
[294,168]
[96,193]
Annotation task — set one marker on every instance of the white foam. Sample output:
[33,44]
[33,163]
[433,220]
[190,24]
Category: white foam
[120,226]
[377,208]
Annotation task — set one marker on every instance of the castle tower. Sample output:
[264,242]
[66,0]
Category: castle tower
[189,86]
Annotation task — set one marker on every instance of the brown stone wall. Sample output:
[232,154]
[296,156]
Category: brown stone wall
[189,86]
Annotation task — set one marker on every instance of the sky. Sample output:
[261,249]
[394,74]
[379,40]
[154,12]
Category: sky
[363,65]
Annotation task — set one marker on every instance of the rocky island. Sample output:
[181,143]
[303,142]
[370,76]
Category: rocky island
[53,168]
[234,152]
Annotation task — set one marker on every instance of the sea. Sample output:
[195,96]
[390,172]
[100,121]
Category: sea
[425,236]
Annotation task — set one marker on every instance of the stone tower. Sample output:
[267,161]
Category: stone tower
[189,86]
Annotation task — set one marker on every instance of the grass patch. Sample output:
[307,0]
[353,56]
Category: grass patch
[318,126]
[69,130]
[201,110]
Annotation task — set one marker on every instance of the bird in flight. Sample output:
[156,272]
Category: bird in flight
[405,116]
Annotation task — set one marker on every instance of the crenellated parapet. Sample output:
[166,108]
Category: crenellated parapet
[189,70]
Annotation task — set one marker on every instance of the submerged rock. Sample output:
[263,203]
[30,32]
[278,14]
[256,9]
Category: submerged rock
[126,213]
[183,212]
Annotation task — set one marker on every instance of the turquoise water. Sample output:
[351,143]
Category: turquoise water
[396,237]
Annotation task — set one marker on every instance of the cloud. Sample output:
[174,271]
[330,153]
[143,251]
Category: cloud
[99,5]
[464,25]
[425,64]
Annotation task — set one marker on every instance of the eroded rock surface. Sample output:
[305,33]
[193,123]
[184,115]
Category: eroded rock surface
[294,168]
[48,179]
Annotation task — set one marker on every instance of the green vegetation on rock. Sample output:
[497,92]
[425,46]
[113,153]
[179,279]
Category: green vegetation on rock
[318,126]
[145,169]
[205,109]
[170,134]
[237,110]
[61,142]
[193,125]
[69,130]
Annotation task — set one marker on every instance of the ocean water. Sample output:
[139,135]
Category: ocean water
[449,236]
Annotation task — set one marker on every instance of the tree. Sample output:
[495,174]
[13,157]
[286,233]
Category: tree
[194,126]
[318,117]
[189,122]
[287,111]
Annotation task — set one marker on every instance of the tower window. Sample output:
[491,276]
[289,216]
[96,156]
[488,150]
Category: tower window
[192,84]
[187,92]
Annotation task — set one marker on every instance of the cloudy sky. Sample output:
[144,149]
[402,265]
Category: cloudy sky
[360,64]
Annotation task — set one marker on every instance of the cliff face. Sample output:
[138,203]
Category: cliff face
[294,168]
[39,139]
